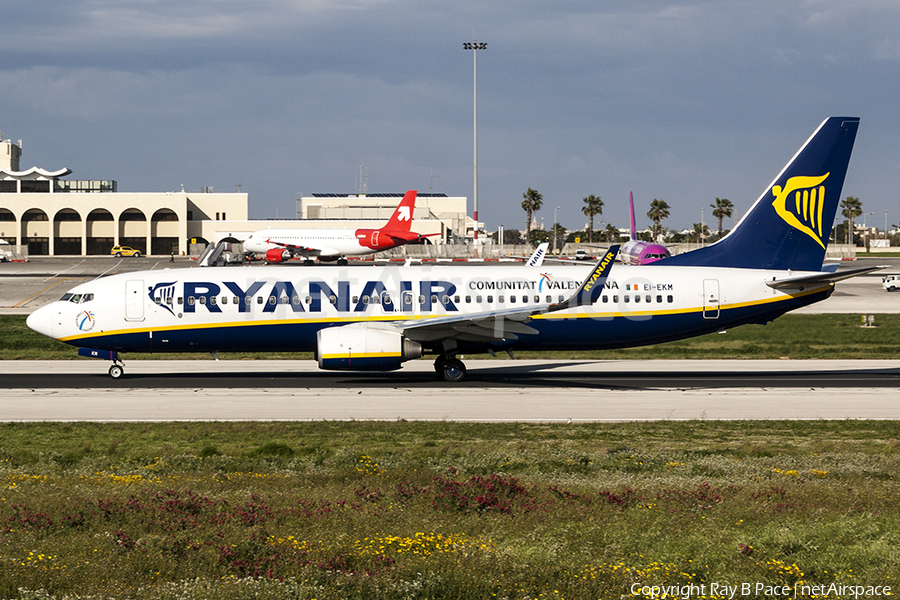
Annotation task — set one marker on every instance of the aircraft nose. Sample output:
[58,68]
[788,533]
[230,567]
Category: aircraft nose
[41,321]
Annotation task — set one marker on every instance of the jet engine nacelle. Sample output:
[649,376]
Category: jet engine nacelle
[363,347]
[274,255]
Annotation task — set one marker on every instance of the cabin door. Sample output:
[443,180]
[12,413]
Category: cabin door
[134,300]
[710,298]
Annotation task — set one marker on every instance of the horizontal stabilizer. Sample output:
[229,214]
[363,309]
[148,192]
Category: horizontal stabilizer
[804,281]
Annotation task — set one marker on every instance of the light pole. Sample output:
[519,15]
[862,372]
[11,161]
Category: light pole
[474,46]
[866,229]
[885,223]
[702,223]
[553,229]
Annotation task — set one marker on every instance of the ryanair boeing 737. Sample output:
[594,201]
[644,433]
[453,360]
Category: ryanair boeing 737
[375,318]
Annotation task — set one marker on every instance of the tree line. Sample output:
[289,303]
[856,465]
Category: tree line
[659,211]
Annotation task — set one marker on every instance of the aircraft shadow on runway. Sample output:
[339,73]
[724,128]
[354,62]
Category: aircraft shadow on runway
[527,376]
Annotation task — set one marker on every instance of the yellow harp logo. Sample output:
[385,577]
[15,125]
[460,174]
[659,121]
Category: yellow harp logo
[800,203]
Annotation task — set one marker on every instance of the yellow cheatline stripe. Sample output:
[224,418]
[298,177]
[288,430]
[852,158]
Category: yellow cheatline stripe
[549,316]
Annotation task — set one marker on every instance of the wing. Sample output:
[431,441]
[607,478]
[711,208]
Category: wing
[509,323]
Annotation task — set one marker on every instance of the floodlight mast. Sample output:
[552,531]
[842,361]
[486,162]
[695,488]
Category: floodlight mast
[474,46]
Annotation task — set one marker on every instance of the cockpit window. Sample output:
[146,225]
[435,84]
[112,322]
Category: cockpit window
[76,298]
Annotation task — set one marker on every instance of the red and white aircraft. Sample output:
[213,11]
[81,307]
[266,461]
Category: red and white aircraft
[280,245]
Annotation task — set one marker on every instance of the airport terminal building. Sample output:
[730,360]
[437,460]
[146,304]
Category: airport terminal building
[52,216]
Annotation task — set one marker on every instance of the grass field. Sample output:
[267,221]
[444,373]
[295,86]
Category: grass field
[397,510]
[790,336]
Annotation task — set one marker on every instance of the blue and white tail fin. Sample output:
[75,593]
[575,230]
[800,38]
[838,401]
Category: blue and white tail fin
[789,225]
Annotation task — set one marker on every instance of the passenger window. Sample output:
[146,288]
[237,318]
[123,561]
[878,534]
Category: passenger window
[561,298]
[456,299]
[604,299]
[670,299]
[180,300]
[272,300]
[224,300]
[512,299]
[616,298]
[190,300]
[385,298]
[478,299]
[468,299]
[434,299]
[376,299]
[524,299]
[549,299]
[445,300]
[295,300]
[490,299]
[649,298]
[537,299]
[212,300]
[421,299]
[627,298]
[355,300]
[259,299]
[637,298]
[332,299]
[659,299]
[202,299]
[365,299]
[308,299]
[158,300]
[285,300]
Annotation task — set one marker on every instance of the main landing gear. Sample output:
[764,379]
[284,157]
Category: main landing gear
[450,368]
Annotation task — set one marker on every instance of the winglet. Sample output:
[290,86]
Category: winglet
[592,286]
[537,257]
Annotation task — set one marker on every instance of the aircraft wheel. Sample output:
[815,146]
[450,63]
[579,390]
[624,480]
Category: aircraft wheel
[454,370]
[342,262]
[116,371]
[439,364]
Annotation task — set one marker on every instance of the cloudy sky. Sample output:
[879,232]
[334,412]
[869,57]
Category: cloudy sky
[678,100]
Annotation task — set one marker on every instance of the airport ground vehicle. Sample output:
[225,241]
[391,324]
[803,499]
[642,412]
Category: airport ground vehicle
[125,251]
[891,282]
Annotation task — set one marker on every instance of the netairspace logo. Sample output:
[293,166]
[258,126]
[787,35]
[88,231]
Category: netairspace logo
[760,590]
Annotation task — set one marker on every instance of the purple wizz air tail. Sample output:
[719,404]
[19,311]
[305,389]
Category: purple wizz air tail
[636,252]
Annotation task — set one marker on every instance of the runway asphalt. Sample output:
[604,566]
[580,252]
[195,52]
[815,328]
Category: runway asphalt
[496,390]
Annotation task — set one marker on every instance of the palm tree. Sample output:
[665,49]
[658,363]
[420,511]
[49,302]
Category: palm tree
[700,230]
[721,209]
[593,206]
[612,233]
[852,209]
[659,210]
[531,204]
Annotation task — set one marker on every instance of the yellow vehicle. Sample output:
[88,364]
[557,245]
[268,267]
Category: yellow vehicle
[124,251]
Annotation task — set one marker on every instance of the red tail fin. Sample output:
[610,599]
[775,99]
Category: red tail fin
[402,218]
